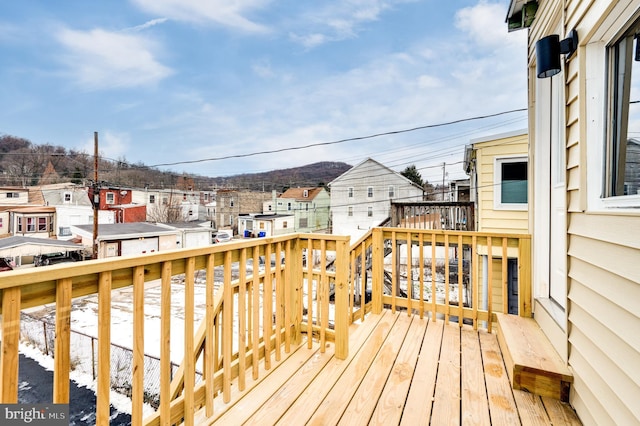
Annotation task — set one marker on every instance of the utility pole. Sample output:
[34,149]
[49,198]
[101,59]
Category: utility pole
[444,165]
[96,195]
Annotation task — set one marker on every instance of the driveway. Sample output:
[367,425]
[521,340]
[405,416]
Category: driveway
[36,387]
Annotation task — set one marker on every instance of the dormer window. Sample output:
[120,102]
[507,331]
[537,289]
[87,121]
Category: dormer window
[305,194]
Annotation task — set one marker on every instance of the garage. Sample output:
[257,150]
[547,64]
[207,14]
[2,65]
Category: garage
[139,246]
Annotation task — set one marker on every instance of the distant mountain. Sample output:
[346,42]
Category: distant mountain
[310,175]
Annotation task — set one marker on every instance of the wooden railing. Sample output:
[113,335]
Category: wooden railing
[453,275]
[261,296]
[452,215]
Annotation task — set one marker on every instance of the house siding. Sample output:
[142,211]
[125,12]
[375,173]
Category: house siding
[603,245]
[489,218]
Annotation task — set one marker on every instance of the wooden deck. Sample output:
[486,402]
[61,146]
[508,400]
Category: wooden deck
[400,370]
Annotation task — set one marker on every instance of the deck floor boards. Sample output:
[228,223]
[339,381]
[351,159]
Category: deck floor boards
[400,370]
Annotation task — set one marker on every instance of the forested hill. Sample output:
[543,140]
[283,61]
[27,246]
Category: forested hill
[316,174]
[23,163]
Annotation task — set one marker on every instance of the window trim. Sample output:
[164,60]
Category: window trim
[497,183]
[111,195]
[596,119]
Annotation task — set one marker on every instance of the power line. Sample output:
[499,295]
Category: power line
[359,138]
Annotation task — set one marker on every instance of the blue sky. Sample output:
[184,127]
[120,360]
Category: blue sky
[166,81]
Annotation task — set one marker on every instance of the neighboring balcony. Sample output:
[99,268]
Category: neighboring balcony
[303,329]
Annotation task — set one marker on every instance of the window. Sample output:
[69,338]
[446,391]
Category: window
[13,195]
[20,219]
[303,222]
[42,224]
[350,211]
[392,192]
[64,231]
[511,185]
[1,222]
[370,192]
[31,224]
[67,197]
[370,211]
[288,206]
[231,203]
[111,198]
[165,201]
[152,199]
[622,148]
[284,224]
[305,194]
[350,192]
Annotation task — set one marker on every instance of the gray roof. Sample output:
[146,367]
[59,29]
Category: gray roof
[126,230]
[16,241]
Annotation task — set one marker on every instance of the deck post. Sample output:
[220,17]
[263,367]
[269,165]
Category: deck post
[524,277]
[10,339]
[377,269]
[342,299]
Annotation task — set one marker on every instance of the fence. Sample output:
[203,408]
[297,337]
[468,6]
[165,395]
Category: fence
[84,349]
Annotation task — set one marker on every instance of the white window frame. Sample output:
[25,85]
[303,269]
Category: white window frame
[370,192]
[110,198]
[596,116]
[497,183]
[392,191]
[369,211]
[152,199]
[350,211]
[67,197]
[350,192]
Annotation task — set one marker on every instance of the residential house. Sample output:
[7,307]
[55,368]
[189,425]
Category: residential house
[126,239]
[231,203]
[497,166]
[361,197]
[583,86]
[33,221]
[73,207]
[120,201]
[265,225]
[310,207]
[169,205]
[498,169]
[12,196]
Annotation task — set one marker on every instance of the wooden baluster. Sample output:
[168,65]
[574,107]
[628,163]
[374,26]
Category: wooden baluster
[210,346]
[267,307]
[255,291]
[279,300]
[473,267]
[10,341]
[489,284]
[104,353]
[242,320]
[505,263]
[421,272]
[433,276]
[63,342]
[460,282]
[137,397]
[409,274]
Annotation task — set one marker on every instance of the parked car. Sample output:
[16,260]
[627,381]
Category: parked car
[53,258]
[222,236]
[6,264]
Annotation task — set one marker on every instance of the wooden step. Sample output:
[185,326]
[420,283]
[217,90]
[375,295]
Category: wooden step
[532,363]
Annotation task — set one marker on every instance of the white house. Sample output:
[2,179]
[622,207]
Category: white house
[361,197]
[309,205]
[265,225]
[73,207]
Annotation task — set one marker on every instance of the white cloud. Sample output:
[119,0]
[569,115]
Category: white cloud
[222,12]
[100,59]
[484,24]
[148,24]
[111,145]
[338,20]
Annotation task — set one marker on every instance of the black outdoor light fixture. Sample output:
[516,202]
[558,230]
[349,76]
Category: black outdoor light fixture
[548,50]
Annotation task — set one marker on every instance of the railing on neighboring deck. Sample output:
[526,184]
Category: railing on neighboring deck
[453,275]
[261,295]
[453,215]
